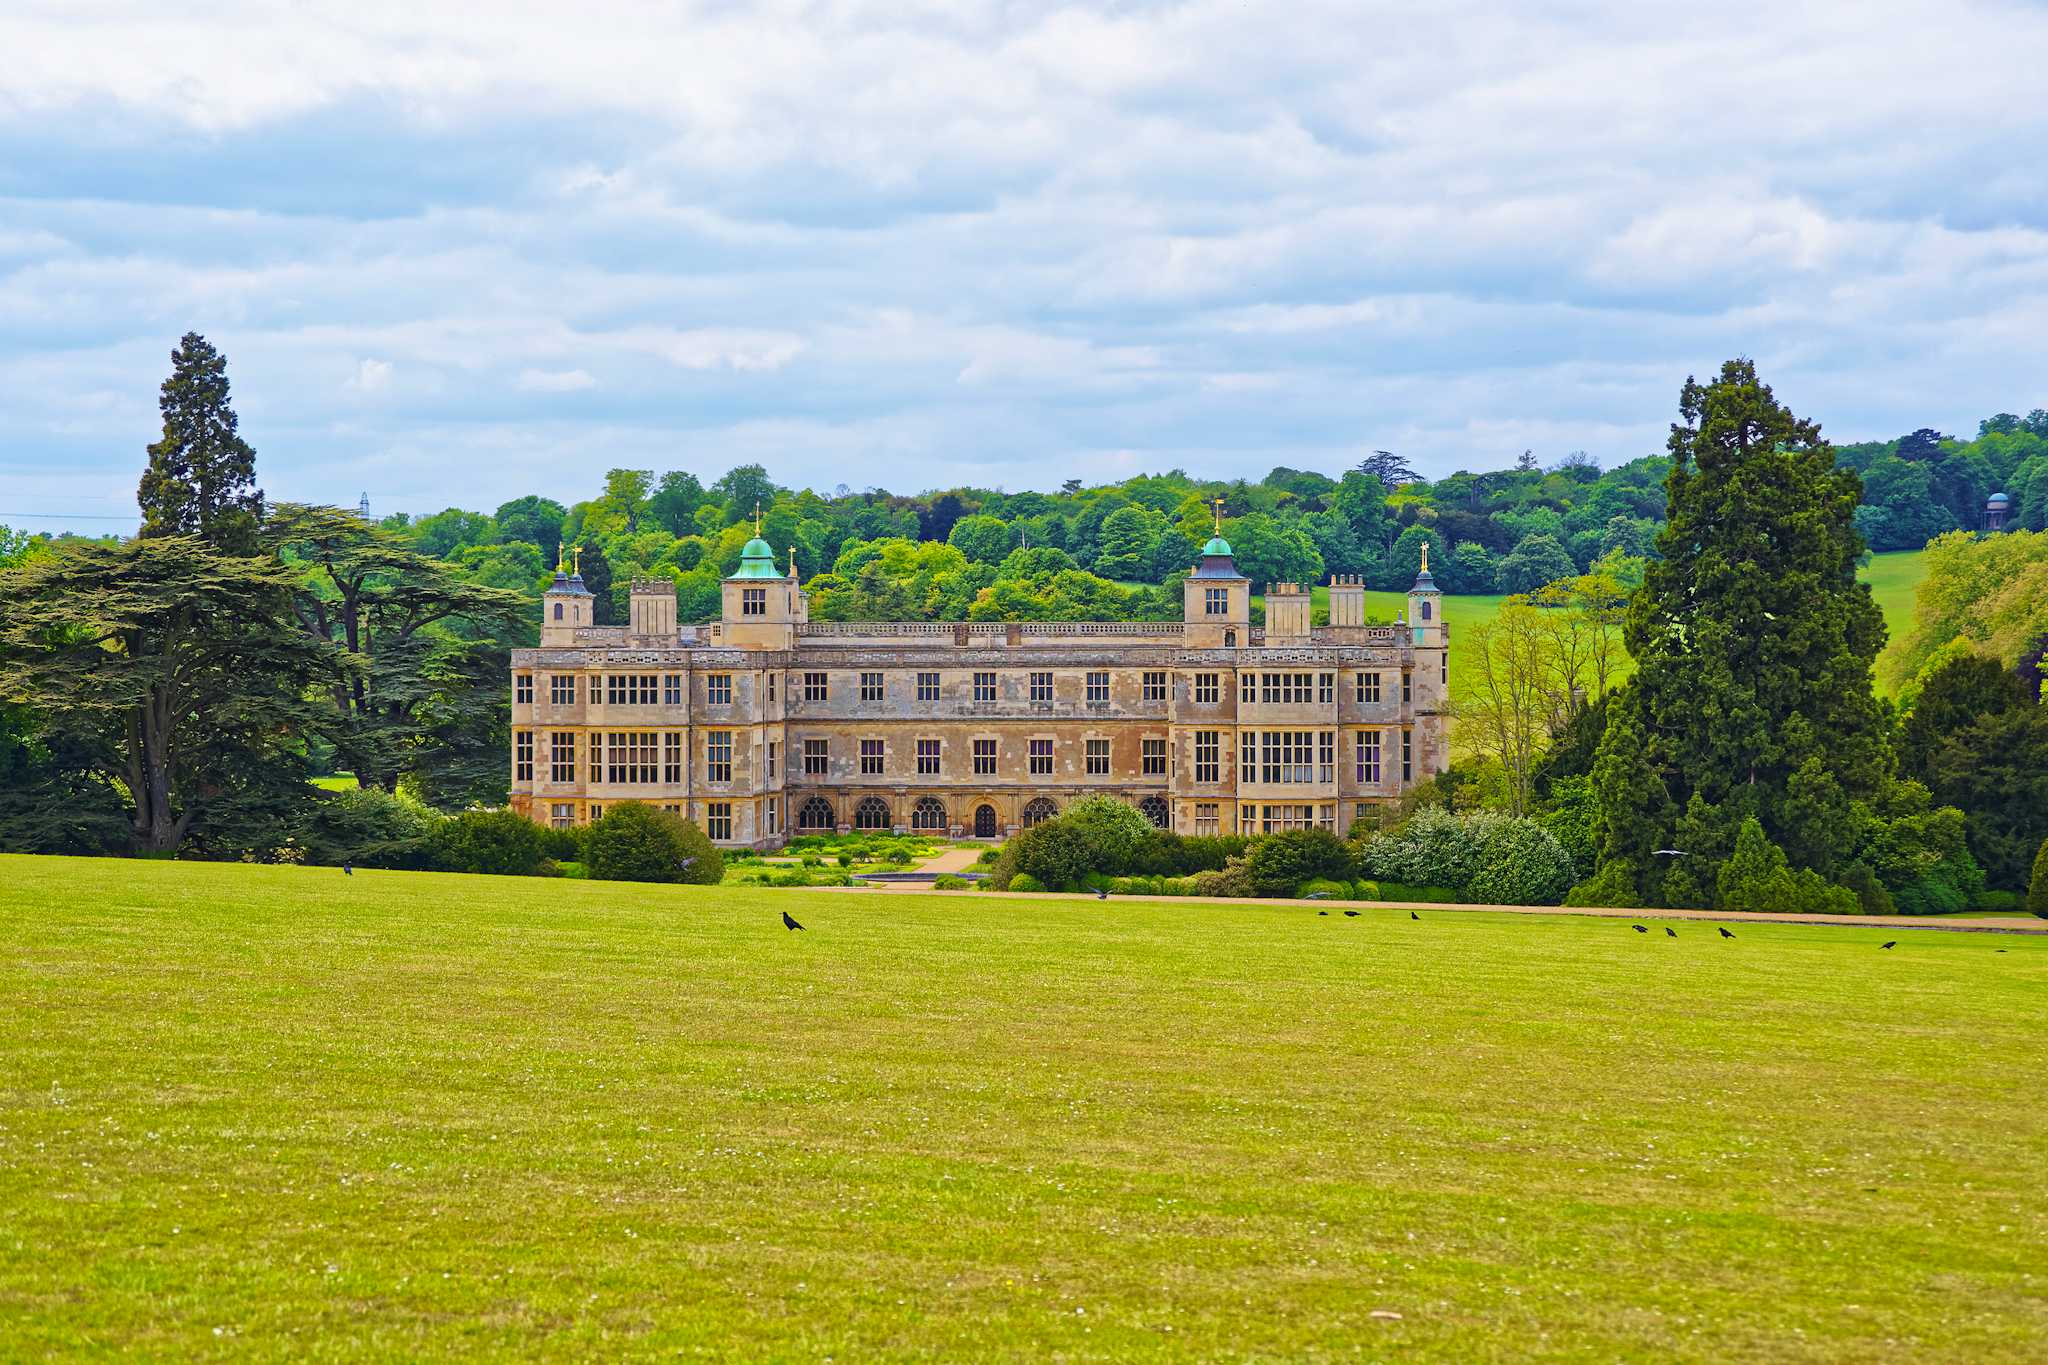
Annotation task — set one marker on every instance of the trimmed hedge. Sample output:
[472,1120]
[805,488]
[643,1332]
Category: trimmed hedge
[636,842]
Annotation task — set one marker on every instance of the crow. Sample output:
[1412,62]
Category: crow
[347,870]
[1413,915]
[1639,928]
[1724,932]
[1893,944]
[1324,913]
[789,923]
[1100,894]
[687,863]
[1317,896]
[1670,932]
[1350,914]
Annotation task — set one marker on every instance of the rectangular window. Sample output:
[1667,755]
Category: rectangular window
[672,759]
[1097,757]
[871,757]
[984,687]
[522,756]
[718,820]
[927,687]
[562,757]
[1153,753]
[1208,756]
[815,761]
[1285,756]
[1041,758]
[522,688]
[1247,687]
[1207,821]
[1407,687]
[1291,689]
[718,755]
[1368,758]
[771,686]
[1407,756]
[1216,601]
[753,601]
[1248,756]
[596,759]
[1326,688]
[1155,687]
[672,689]
[1368,689]
[718,689]
[562,689]
[1206,691]
[630,689]
[774,816]
[928,758]
[1326,756]
[870,687]
[773,749]
[596,814]
[630,757]
[1098,688]
[1280,819]
[814,687]
[984,758]
[562,814]
[1041,688]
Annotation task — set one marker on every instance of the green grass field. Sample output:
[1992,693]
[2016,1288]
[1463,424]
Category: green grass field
[276,1113]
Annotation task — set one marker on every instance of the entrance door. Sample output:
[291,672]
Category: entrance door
[985,822]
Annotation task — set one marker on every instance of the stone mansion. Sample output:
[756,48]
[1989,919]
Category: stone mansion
[767,723]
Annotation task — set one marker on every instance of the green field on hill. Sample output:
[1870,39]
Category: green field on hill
[279,1113]
[1892,579]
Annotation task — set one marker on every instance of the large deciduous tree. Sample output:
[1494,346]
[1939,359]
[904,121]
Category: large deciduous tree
[201,479]
[1753,640]
[426,698]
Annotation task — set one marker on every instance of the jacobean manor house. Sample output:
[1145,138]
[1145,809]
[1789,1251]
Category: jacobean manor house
[768,723]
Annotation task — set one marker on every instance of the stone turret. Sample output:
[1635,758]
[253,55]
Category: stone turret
[760,607]
[1216,600]
[1425,607]
[565,608]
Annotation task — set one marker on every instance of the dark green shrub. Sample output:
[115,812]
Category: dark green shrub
[635,842]
[949,882]
[1610,886]
[1998,902]
[563,845]
[499,843]
[1929,896]
[1230,880]
[1325,887]
[1520,863]
[2037,890]
[1280,862]
[1871,897]
[1024,881]
[1400,891]
[369,827]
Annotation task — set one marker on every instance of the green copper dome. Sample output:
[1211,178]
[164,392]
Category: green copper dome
[1217,546]
[757,561]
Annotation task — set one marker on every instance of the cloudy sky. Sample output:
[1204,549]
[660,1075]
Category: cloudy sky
[460,253]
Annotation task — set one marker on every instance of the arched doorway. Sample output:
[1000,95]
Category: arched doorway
[928,813]
[985,822]
[871,813]
[1039,811]
[815,813]
[1154,809]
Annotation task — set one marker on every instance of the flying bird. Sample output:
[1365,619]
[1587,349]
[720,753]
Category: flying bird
[687,862]
[1639,928]
[1670,932]
[1100,894]
[1317,896]
[1724,932]
[789,923]
[1893,944]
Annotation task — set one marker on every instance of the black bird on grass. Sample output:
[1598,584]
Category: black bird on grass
[789,923]
[1639,928]
[1893,944]
[1724,932]
[1413,915]
[1670,932]
[1324,913]
[1350,914]
[347,870]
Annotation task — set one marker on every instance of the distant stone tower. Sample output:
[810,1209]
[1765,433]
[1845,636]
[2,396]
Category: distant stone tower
[1997,508]
[363,507]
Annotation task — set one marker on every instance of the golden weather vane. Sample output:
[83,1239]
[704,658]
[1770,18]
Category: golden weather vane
[757,518]
[1425,556]
[1219,515]
[792,561]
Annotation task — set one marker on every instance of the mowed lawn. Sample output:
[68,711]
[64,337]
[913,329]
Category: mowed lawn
[276,1113]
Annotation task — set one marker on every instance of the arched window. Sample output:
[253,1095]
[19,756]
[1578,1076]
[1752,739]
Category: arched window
[928,813]
[1154,809]
[1230,639]
[1039,811]
[1425,608]
[871,813]
[558,611]
[816,813]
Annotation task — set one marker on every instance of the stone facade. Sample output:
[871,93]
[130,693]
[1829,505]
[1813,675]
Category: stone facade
[767,724]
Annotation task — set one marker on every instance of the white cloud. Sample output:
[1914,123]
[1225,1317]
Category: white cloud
[555,381]
[371,376]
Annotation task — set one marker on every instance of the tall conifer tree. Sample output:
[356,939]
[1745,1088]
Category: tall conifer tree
[1753,641]
[201,479]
